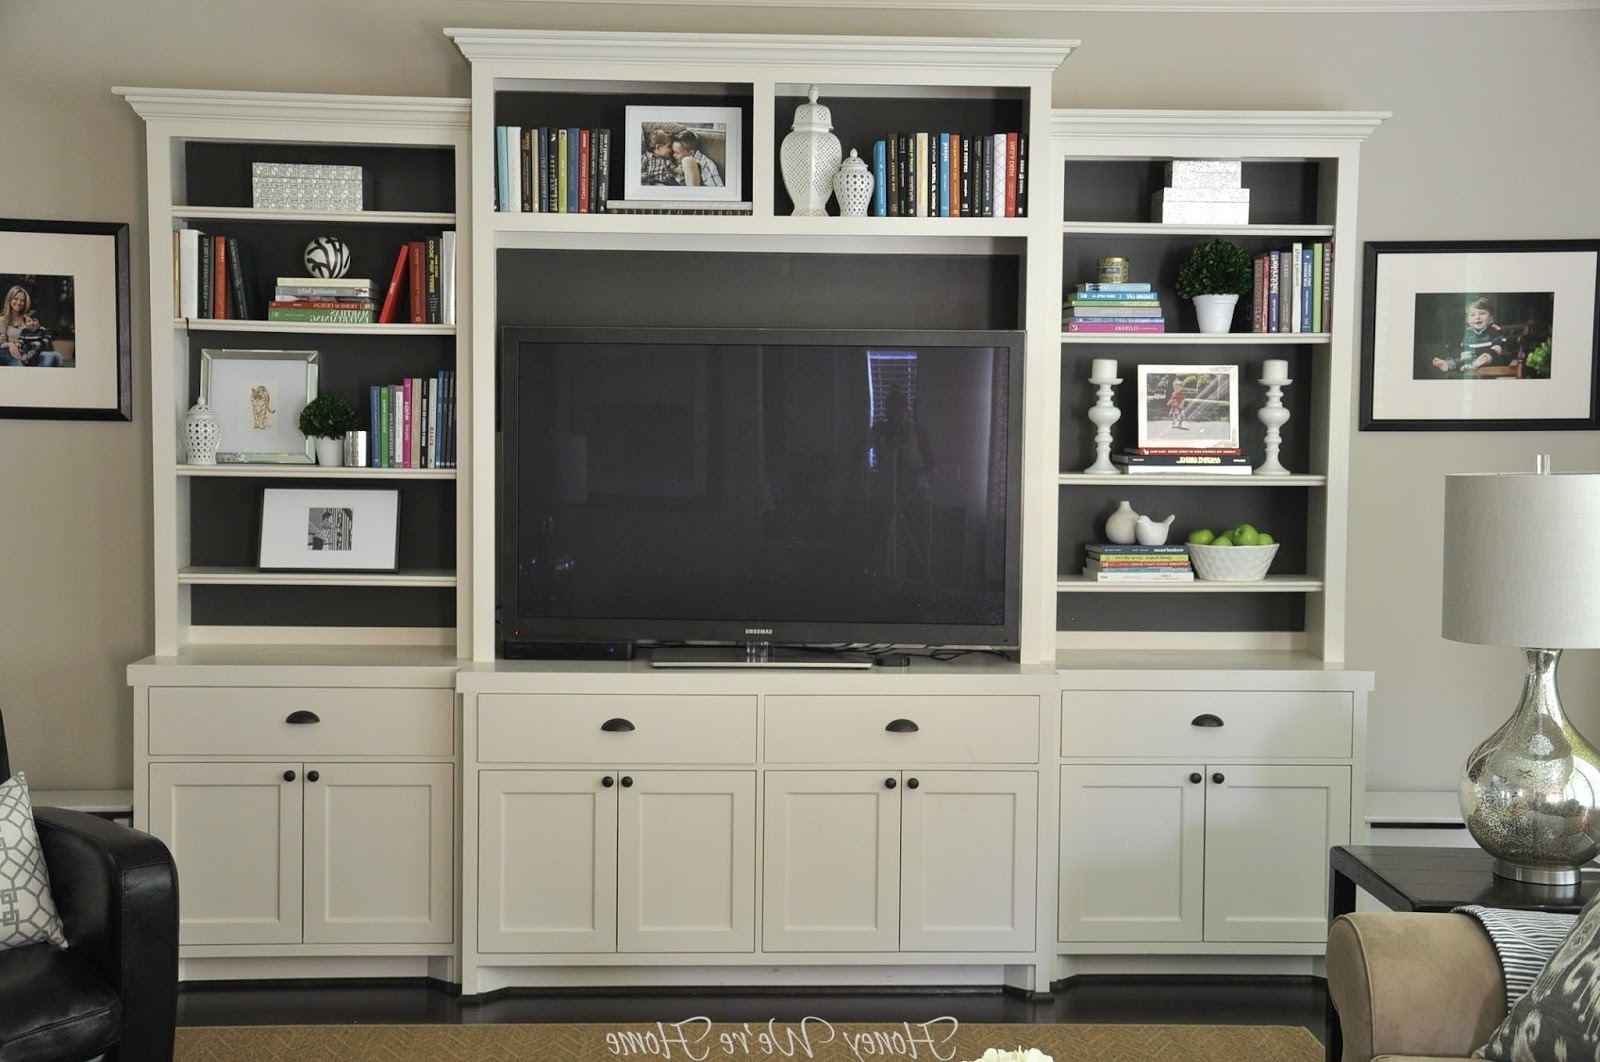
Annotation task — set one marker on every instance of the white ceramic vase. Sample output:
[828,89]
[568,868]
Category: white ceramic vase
[852,187]
[1215,312]
[1122,526]
[202,432]
[810,158]
[330,452]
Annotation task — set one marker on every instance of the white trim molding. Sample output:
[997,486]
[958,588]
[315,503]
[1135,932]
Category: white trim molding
[1259,7]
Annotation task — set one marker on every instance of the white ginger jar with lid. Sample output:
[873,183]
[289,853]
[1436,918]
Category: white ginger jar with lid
[810,157]
[202,433]
[852,187]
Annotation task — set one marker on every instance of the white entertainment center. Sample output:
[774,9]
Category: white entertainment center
[355,785]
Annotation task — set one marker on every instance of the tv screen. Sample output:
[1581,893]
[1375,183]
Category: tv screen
[791,487]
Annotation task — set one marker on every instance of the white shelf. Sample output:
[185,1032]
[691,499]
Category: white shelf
[1190,479]
[1205,339]
[208,324]
[762,225]
[1162,228]
[308,471]
[198,575]
[318,217]
[1272,584]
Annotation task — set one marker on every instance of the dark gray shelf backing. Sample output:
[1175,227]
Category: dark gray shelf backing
[1282,513]
[394,178]
[1078,396]
[1180,612]
[225,518]
[323,606]
[759,290]
[1118,191]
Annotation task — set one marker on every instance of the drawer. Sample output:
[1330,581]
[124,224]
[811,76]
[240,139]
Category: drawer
[1256,724]
[949,729]
[252,721]
[566,728]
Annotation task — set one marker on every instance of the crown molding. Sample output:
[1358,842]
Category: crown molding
[1376,7]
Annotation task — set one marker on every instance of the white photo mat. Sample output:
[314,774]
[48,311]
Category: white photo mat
[710,124]
[329,530]
[1398,391]
[97,383]
[1210,411]
[258,396]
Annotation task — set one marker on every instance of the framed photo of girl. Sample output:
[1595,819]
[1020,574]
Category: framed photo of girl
[65,329]
[1481,336]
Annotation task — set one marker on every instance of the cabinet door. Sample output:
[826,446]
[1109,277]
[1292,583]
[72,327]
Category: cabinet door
[547,861]
[969,842]
[379,853]
[1268,831]
[831,861]
[234,831]
[686,861]
[1132,853]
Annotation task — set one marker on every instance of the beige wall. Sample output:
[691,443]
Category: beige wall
[1495,134]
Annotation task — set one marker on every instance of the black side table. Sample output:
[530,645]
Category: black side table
[1405,878]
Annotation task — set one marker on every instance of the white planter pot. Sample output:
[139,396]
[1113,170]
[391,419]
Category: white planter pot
[1215,312]
[330,452]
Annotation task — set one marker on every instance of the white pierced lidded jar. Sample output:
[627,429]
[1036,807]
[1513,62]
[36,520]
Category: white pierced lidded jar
[852,186]
[202,432]
[810,158]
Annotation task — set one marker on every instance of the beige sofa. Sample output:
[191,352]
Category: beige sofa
[1413,986]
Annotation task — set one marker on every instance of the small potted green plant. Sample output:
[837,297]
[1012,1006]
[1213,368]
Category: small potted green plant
[1214,275]
[326,418]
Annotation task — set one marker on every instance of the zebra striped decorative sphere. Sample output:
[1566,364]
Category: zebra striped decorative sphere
[327,256]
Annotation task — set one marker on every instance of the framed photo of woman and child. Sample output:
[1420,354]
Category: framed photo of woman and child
[1481,336]
[65,329]
[686,154]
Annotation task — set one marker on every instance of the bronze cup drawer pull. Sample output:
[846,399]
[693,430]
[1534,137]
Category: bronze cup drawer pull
[902,726]
[1206,720]
[616,726]
[302,716]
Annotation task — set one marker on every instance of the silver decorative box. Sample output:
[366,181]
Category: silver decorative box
[1204,173]
[1199,212]
[305,186]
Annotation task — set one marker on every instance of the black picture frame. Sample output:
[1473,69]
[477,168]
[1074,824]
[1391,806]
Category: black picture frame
[76,363]
[1532,367]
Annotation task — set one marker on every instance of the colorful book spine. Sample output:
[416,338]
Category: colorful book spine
[301,314]
[1308,265]
[1143,297]
[1100,325]
[880,178]
[1125,288]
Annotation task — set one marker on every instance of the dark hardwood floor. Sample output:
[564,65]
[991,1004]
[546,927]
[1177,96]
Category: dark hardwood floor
[1201,1001]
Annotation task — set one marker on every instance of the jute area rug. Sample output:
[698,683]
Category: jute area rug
[810,1041]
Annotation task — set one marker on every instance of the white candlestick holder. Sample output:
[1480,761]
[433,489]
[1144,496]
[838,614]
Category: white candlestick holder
[1273,416]
[1103,414]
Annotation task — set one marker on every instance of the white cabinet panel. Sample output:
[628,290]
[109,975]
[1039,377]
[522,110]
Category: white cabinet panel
[902,729]
[246,721]
[573,728]
[1245,724]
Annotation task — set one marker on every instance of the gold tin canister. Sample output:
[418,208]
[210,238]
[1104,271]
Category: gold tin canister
[1113,271]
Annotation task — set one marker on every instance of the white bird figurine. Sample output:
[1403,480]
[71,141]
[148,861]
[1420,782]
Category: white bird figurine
[1152,532]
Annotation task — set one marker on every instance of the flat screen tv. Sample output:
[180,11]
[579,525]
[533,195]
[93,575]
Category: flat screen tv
[787,487]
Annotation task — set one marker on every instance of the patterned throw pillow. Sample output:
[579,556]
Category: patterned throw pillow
[27,913]
[1559,1016]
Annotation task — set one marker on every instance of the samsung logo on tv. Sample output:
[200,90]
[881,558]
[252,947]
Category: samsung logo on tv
[758,630]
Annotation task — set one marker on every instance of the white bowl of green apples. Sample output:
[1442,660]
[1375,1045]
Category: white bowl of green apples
[1240,554]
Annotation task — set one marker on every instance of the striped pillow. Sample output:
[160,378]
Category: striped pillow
[1558,1017]
[1524,941]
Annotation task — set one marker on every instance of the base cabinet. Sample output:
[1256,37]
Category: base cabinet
[591,861]
[1184,853]
[914,860]
[309,852]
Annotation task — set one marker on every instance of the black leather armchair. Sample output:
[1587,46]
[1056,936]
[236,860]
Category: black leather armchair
[113,993]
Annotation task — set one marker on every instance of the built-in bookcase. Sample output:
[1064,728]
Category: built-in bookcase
[200,151]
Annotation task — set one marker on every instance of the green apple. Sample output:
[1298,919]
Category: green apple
[1201,536]
[1264,539]
[1224,539]
[1245,535]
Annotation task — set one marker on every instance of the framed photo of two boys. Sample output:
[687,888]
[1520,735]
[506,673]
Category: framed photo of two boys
[65,339]
[1481,336]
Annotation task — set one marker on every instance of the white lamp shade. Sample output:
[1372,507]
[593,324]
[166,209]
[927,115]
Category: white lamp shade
[1522,559]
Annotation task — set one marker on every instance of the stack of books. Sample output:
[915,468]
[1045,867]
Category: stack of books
[323,300]
[1129,307]
[1110,562]
[1294,289]
[1159,460]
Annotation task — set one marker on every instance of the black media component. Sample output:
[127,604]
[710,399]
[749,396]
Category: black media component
[514,649]
[787,487]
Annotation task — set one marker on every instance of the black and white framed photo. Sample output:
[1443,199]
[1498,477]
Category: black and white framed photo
[687,154]
[1194,407]
[66,348]
[329,530]
[1480,336]
[258,396]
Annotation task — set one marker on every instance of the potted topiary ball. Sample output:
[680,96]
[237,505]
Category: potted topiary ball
[1214,275]
[326,418]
